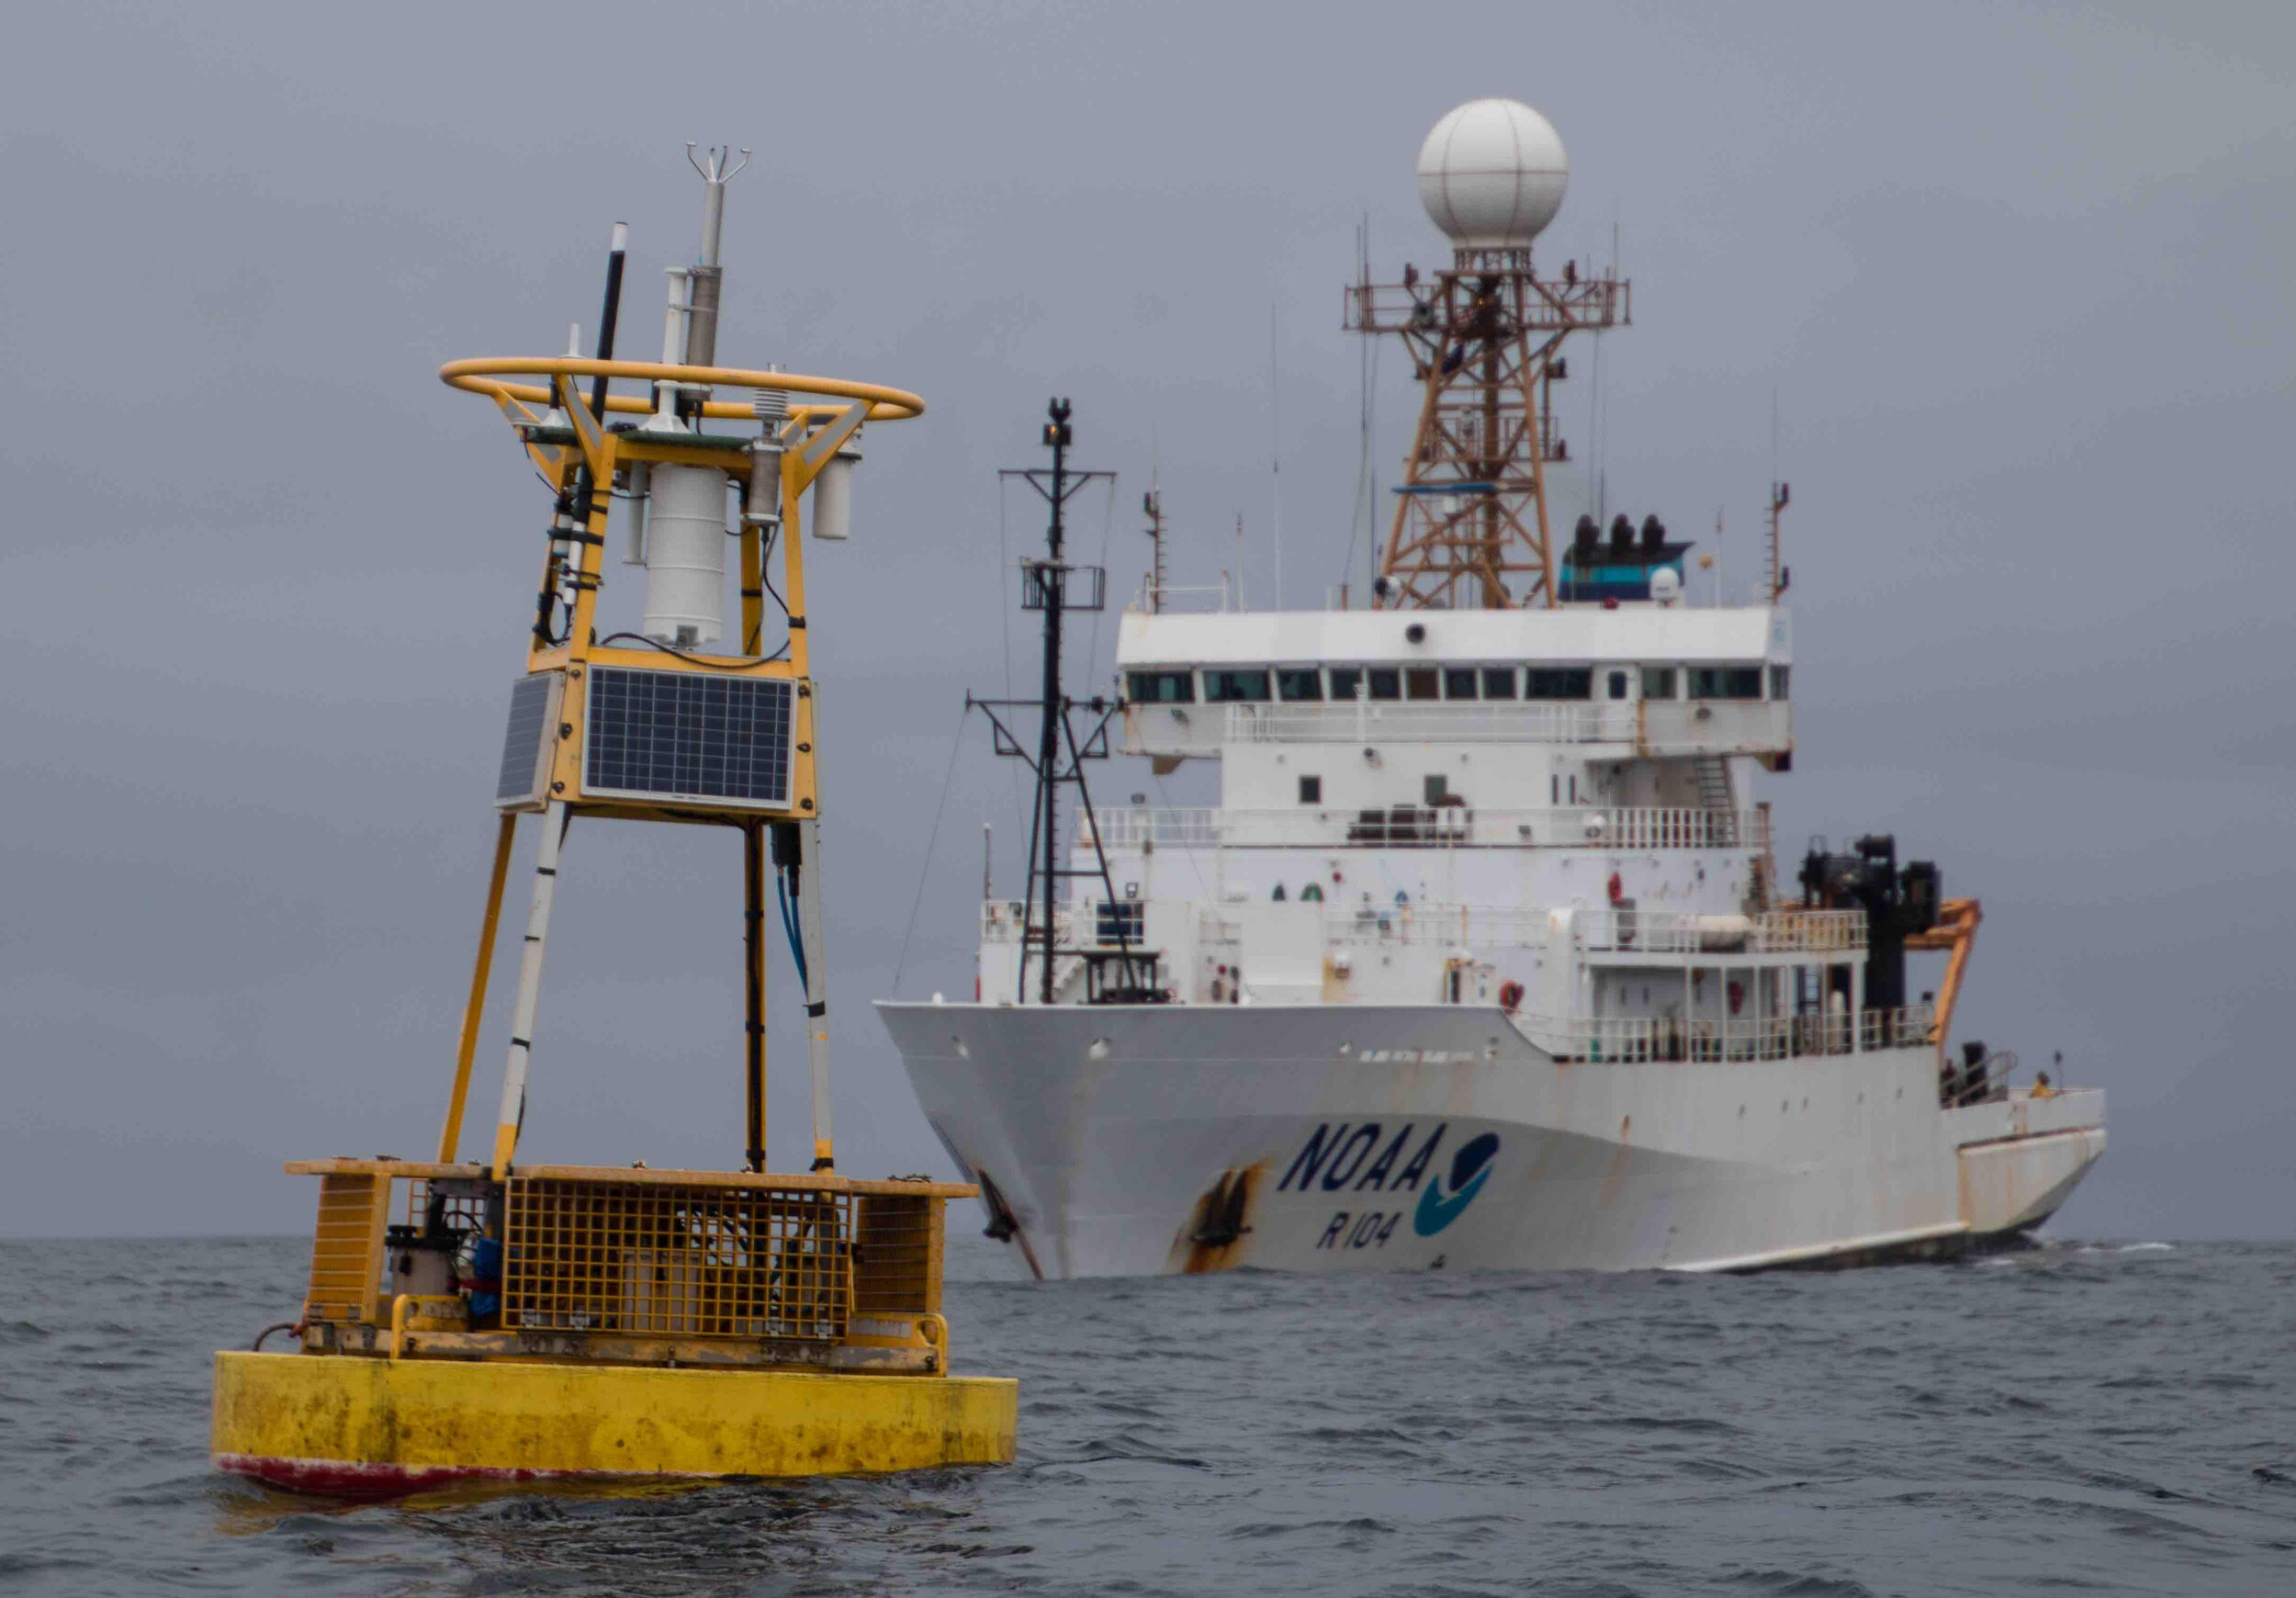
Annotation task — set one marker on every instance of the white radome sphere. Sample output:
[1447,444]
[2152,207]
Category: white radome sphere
[1492,174]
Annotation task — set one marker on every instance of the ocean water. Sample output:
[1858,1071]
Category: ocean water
[2078,1418]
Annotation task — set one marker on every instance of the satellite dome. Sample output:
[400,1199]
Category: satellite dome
[1492,174]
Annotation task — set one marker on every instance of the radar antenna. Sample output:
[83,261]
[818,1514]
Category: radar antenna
[1470,528]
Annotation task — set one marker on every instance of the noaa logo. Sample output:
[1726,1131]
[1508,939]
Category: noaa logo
[1370,1158]
[1470,1168]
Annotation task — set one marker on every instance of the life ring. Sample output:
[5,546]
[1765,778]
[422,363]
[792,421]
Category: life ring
[1618,887]
[1509,996]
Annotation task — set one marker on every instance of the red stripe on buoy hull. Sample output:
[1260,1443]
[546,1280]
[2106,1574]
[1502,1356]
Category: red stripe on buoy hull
[350,1478]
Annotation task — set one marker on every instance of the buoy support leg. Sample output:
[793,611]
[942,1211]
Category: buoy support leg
[529,988]
[467,1048]
[753,869]
[809,928]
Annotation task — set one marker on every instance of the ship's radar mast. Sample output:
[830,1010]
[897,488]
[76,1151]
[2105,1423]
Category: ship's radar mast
[1471,529]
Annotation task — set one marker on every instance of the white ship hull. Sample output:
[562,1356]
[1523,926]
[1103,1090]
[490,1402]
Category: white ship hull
[1128,1140]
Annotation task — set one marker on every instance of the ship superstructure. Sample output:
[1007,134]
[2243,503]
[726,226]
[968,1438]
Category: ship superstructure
[1484,958]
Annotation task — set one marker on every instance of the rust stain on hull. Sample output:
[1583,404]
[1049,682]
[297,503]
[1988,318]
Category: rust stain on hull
[1213,1238]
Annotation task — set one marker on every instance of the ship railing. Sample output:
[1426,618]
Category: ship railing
[1436,827]
[1369,721]
[1904,1027]
[1648,729]
[1190,599]
[1626,929]
[1003,921]
[1711,1039]
[1215,932]
[1621,930]
[1635,1039]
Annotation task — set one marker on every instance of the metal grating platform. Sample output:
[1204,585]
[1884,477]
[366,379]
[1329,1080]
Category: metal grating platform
[656,1259]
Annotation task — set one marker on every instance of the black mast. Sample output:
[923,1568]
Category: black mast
[1046,825]
[1054,587]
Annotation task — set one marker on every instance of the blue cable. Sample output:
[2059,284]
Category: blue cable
[788,926]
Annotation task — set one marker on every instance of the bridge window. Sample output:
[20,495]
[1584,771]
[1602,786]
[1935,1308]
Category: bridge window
[1124,923]
[1658,682]
[1617,685]
[1726,682]
[1459,682]
[1434,787]
[1162,688]
[1559,682]
[1297,684]
[1386,682]
[1231,687]
[1778,677]
[1311,790]
[1423,682]
[1498,682]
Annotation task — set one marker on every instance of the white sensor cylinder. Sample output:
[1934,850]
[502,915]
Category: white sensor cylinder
[685,554]
[833,495]
[634,514]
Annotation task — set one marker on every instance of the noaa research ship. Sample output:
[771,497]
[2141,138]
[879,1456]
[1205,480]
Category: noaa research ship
[1485,959]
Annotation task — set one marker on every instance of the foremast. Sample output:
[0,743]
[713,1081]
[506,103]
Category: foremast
[1055,587]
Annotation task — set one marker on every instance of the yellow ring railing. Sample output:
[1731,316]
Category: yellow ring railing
[485,376]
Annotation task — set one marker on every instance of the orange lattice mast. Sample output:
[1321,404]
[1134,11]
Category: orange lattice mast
[1470,528]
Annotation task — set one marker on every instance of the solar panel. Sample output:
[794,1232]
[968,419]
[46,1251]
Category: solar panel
[688,734]
[525,770]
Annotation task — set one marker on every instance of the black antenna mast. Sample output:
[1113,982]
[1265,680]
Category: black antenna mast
[1055,587]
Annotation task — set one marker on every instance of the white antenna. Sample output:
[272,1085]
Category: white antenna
[1275,445]
[1362,521]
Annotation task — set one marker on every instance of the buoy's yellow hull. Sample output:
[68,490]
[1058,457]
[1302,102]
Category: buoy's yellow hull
[345,1424]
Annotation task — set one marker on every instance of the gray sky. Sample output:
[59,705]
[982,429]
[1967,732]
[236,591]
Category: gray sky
[2017,276]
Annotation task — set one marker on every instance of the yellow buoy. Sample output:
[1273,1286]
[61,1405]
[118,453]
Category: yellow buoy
[509,1319]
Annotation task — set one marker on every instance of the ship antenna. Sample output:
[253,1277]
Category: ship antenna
[1717,558]
[1780,494]
[1367,374]
[1056,586]
[1152,506]
[1275,445]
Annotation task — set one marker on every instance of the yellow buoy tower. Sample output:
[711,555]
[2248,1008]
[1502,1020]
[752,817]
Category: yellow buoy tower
[516,1319]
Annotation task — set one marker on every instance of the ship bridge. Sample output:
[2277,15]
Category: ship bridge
[1633,681]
